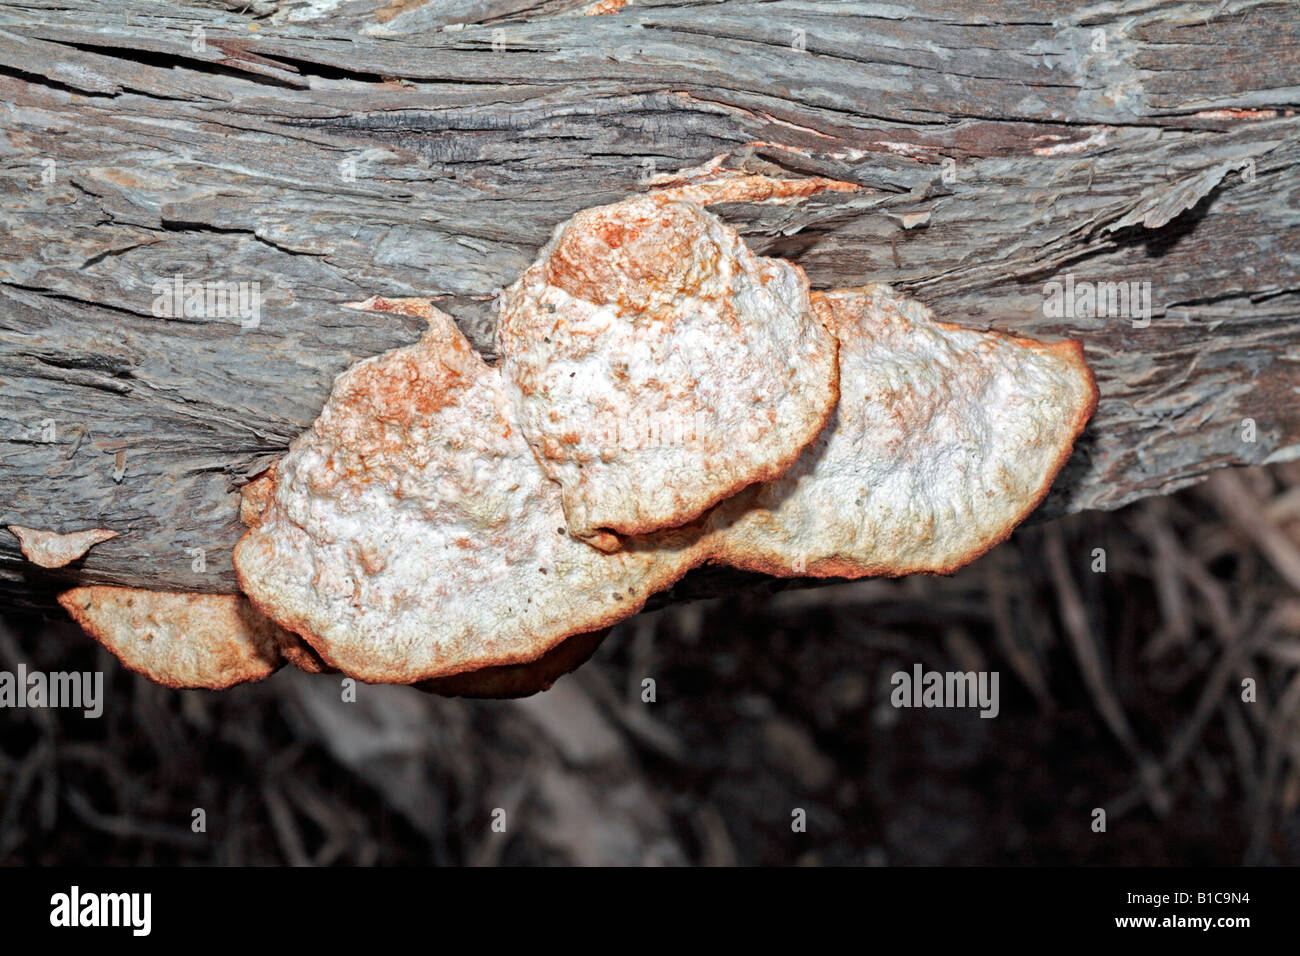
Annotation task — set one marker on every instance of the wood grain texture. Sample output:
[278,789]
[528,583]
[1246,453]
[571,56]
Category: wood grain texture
[328,152]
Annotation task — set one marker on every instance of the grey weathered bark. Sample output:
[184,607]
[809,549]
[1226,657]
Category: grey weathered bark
[332,151]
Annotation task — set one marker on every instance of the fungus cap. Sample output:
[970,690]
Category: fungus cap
[179,639]
[657,366]
[944,440]
[49,549]
[410,533]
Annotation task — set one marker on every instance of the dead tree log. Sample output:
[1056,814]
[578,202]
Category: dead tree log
[329,152]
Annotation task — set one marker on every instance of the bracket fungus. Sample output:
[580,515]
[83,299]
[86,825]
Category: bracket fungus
[179,639]
[665,398]
[255,496]
[944,440]
[411,534]
[520,680]
[657,366]
[49,549]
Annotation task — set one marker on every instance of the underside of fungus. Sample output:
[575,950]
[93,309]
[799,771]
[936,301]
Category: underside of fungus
[656,366]
[520,680]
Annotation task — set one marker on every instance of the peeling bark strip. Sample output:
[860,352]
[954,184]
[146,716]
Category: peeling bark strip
[428,149]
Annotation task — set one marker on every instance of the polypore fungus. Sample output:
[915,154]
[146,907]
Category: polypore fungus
[179,639]
[520,680]
[411,534]
[255,496]
[658,382]
[657,366]
[943,441]
[52,550]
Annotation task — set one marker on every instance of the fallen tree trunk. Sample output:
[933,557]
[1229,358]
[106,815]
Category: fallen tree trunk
[321,156]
